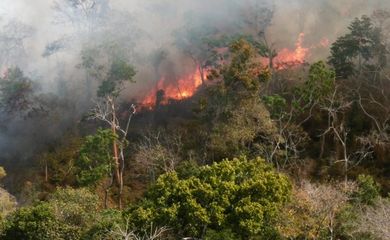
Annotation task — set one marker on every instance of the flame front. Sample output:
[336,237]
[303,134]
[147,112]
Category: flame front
[186,86]
[183,88]
[288,58]
[292,57]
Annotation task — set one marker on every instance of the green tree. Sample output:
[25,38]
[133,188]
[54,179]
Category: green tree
[59,162]
[242,195]
[232,110]
[95,161]
[319,85]
[112,84]
[368,190]
[66,215]
[359,49]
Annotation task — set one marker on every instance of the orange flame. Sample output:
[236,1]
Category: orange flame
[183,88]
[292,57]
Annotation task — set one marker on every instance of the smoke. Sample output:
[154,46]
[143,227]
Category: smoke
[146,34]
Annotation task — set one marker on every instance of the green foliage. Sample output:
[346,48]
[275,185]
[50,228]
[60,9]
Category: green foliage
[357,49]
[60,161]
[319,85]
[368,190]
[95,161]
[32,223]
[103,223]
[67,214]
[347,227]
[225,234]
[242,72]
[232,110]
[242,195]
[119,73]
[276,104]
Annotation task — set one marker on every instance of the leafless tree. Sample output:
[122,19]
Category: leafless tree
[159,152]
[375,219]
[289,142]
[125,233]
[335,107]
[377,108]
[325,202]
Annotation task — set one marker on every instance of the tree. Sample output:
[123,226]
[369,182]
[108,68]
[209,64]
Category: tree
[232,110]
[290,112]
[375,219]
[337,106]
[95,161]
[16,92]
[367,192]
[359,50]
[66,215]
[313,212]
[159,153]
[241,195]
[120,232]
[59,161]
[106,111]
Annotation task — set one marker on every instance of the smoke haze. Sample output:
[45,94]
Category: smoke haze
[140,30]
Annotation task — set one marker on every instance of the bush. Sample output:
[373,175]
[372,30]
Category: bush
[242,195]
[67,214]
[368,190]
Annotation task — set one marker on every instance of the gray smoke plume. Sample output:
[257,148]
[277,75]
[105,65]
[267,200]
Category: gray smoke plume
[45,38]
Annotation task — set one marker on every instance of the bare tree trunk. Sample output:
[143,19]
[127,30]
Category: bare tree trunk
[122,167]
[107,113]
[115,152]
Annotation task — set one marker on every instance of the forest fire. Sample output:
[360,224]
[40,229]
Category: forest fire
[287,57]
[168,89]
[183,88]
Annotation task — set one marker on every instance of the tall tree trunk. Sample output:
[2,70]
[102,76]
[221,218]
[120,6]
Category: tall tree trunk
[115,151]
[122,167]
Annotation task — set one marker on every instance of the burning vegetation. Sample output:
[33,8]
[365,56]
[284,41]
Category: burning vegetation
[173,89]
[252,119]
